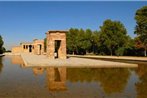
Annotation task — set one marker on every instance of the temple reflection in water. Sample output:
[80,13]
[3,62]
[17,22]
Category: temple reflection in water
[17,60]
[121,82]
[55,77]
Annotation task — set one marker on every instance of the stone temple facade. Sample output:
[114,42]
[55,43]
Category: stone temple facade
[36,47]
[55,45]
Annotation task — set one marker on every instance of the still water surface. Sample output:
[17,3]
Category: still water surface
[17,81]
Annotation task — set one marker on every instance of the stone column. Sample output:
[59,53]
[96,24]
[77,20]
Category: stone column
[42,48]
[62,49]
[50,47]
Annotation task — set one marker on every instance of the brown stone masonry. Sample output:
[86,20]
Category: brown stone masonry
[56,44]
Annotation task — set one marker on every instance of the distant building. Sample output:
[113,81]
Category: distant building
[36,47]
[55,45]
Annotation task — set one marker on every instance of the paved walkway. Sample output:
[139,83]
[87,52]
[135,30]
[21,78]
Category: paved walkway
[32,60]
[144,59]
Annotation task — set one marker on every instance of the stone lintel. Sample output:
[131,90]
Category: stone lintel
[56,31]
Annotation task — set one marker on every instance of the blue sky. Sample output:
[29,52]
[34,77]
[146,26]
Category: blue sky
[25,21]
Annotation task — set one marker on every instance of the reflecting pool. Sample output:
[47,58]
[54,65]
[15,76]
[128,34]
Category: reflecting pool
[18,81]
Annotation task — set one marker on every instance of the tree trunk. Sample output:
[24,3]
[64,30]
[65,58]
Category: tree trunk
[73,53]
[145,52]
[111,51]
[86,52]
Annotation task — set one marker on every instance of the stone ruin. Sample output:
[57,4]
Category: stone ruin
[55,45]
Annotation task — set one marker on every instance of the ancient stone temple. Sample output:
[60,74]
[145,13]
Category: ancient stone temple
[35,47]
[56,44]
[27,47]
[38,46]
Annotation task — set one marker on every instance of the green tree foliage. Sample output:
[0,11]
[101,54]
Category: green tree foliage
[113,36]
[2,49]
[81,41]
[141,27]
[72,40]
[120,51]
[129,49]
[138,47]
[95,42]
[111,39]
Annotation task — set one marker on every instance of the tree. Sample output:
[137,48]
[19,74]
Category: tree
[79,41]
[1,45]
[139,46]
[95,41]
[113,35]
[72,41]
[120,51]
[87,40]
[130,49]
[141,26]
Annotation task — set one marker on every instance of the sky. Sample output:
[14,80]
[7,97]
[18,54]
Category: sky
[23,21]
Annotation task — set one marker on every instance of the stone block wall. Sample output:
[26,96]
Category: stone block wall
[38,46]
[53,36]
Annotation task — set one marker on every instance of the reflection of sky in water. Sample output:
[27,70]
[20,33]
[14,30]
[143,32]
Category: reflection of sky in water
[19,81]
[130,88]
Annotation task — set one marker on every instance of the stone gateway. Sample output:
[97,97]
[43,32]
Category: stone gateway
[56,44]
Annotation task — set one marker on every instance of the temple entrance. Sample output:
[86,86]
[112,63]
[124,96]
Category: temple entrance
[56,44]
[40,47]
[57,47]
[30,48]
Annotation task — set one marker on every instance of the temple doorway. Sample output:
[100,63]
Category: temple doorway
[57,47]
[30,48]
